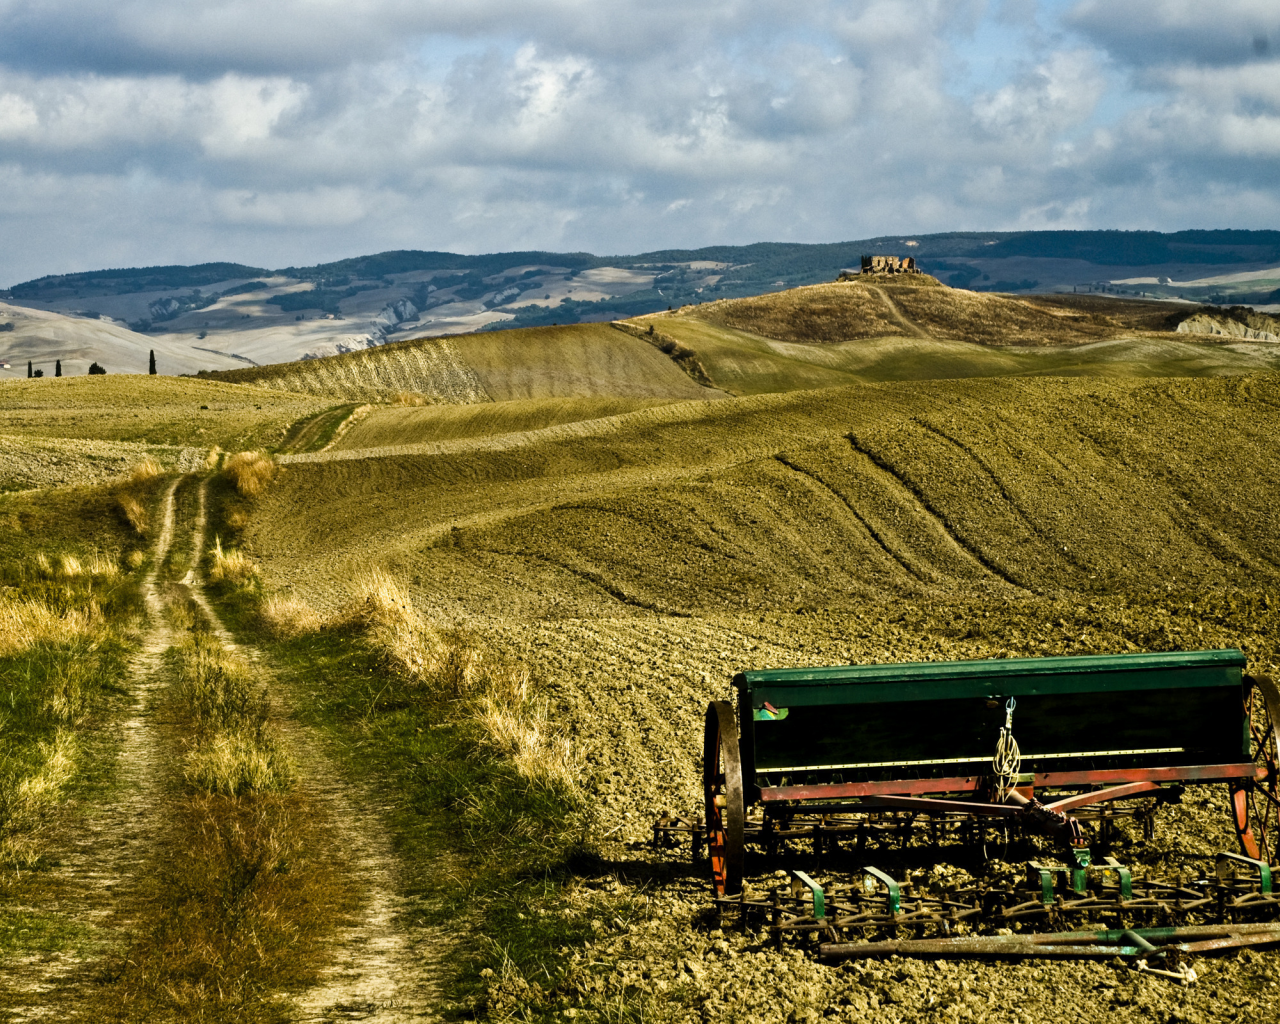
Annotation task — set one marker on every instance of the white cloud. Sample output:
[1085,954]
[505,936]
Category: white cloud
[300,130]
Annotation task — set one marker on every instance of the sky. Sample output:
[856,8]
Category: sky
[291,132]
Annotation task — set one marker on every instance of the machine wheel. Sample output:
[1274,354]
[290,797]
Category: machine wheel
[1255,807]
[722,786]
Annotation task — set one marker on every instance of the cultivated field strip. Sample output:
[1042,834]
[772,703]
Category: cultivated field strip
[1040,485]
[578,361]
[601,427]
[431,368]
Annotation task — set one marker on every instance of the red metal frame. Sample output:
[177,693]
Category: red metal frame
[1117,777]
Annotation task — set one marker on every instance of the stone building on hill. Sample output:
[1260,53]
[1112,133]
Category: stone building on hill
[882,265]
[889,265]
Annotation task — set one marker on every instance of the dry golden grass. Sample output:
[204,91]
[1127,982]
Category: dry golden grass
[991,319]
[287,617]
[135,512]
[67,701]
[251,472]
[864,308]
[132,490]
[245,892]
[523,733]
[236,749]
[233,567]
[143,472]
[407,646]
[26,622]
[408,398]
[820,312]
[233,761]
[497,697]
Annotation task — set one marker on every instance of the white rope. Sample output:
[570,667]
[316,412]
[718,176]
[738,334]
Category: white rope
[1008,760]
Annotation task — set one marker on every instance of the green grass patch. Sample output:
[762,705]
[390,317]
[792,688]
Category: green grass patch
[24,931]
[314,432]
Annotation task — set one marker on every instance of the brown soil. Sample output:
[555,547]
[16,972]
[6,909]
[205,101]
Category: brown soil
[637,565]
[921,307]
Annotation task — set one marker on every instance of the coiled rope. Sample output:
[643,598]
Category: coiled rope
[1007,763]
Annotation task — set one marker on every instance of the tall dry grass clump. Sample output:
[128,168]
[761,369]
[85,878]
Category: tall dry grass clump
[251,472]
[27,622]
[236,749]
[287,617]
[523,733]
[131,491]
[498,699]
[406,645]
[410,399]
[231,566]
[231,762]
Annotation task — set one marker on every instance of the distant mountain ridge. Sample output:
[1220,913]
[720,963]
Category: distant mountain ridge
[220,315]
[794,260]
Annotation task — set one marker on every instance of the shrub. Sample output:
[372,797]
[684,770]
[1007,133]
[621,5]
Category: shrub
[251,472]
[94,368]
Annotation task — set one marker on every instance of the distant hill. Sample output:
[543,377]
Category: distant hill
[872,328]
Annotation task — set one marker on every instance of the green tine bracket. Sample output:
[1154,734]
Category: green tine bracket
[1046,882]
[895,897]
[1080,873]
[1225,860]
[1122,873]
[799,880]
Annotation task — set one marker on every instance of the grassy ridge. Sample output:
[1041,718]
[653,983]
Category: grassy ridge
[155,410]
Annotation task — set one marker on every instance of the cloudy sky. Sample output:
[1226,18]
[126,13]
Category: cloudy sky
[279,132]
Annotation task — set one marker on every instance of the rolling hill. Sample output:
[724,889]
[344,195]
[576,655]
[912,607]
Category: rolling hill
[868,329]
[255,316]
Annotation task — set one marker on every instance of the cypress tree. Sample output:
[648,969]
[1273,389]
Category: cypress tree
[29,373]
[57,367]
[151,367]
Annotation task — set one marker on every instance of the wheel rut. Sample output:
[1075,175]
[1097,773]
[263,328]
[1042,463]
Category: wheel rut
[385,966]
[959,546]
[910,326]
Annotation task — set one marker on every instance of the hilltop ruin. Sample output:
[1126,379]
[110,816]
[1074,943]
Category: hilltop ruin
[883,265]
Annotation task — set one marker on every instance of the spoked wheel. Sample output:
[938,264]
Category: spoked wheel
[722,785]
[1255,806]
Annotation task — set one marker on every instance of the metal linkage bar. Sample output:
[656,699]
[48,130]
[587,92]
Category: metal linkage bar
[875,905]
[1134,944]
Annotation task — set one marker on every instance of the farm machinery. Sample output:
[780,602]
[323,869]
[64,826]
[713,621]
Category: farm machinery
[850,759]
